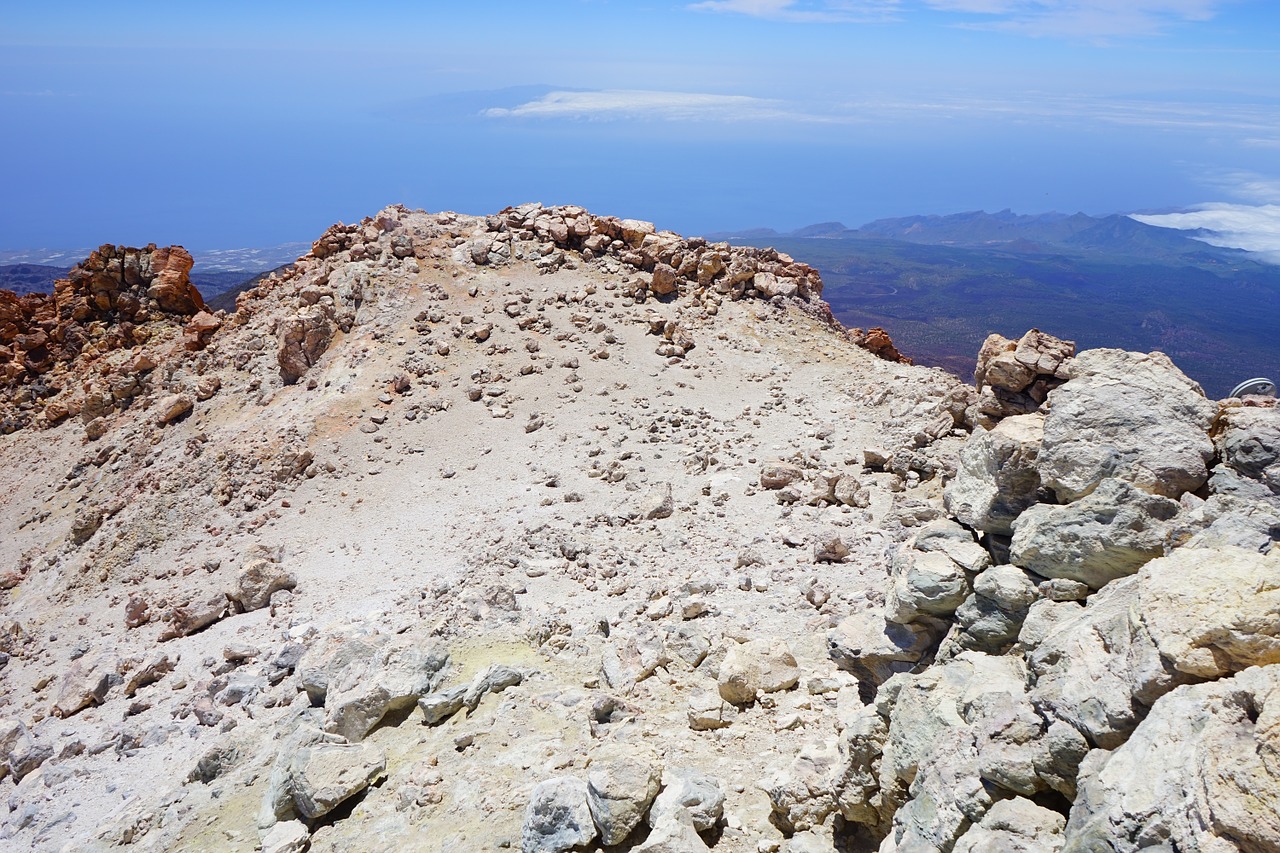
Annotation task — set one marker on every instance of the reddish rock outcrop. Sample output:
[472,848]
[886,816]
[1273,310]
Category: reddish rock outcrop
[126,285]
[171,288]
[877,341]
[110,301]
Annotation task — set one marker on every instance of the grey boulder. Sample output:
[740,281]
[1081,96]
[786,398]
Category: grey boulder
[997,477]
[1127,415]
[558,817]
[1106,535]
[621,784]
[1248,439]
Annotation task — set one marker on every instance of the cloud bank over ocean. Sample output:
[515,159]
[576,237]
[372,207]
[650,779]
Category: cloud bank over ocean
[1260,122]
[1254,228]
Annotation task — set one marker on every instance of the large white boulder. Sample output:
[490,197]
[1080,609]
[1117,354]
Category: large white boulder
[997,477]
[1127,415]
[1106,535]
[1199,774]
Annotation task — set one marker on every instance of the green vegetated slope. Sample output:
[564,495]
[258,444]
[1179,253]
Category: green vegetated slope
[225,300]
[30,278]
[1217,316]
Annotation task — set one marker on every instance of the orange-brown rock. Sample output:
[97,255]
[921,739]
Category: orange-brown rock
[171,287]
[877,341]
[197,332]
[109,302]
[1015,377]
[125,284]
[664,280]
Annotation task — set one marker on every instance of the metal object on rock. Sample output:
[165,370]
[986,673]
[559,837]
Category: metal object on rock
[1260,387]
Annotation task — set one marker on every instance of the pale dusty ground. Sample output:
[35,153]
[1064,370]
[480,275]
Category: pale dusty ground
[422,520]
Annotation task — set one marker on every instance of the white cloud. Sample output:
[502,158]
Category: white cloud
[628,104]
[1062,18]
[1242,121]
[805,11]
[1083,18]
[1254,228]
[1249,186]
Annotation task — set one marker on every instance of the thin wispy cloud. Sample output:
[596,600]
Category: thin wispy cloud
[1094,19]
[1086,18]
[1251,124]
[1245,185]
[1235,118]
[1254,228]
[806,11]
[1247,122]
[640,105]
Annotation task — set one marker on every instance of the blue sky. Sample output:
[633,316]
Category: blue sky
[236,124]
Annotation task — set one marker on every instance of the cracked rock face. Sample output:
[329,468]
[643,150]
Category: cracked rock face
[1199,773]
[1196,614]
[1129,416]
[999,475]
[1106,535]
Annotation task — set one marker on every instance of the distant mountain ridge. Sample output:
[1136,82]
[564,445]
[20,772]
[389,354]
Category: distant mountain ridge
[1115,235]
[217,272]
[941,284]
[253,259]
[29,278]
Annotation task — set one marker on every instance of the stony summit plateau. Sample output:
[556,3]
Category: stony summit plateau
[549,531]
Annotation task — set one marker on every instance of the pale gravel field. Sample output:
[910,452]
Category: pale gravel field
[450,528]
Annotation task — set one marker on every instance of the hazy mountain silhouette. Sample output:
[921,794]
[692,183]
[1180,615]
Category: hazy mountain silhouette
[941,284]
[1044,233]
